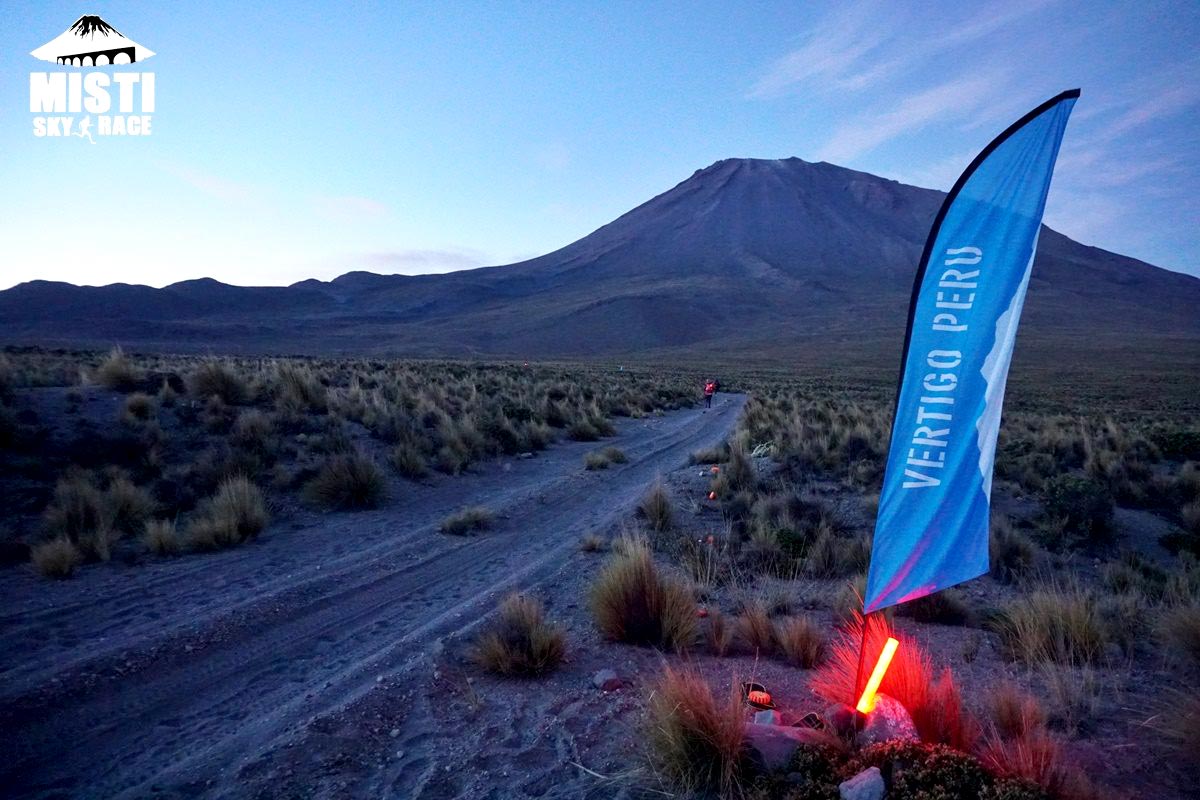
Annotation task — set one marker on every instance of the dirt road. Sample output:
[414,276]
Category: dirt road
[188,677]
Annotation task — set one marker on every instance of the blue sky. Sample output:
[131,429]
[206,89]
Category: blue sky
[308,139]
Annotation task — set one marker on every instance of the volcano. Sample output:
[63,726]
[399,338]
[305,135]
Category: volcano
[747,258]
[91,42]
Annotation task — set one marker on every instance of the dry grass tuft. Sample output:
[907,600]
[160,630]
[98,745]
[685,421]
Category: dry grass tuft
[161,538]
[944,720]
[718,633]
[800,641]
[1039,759]
[602,459]
[695,740]
[1012,552]
[520,641]
[1014,712]
[1178,723]
[593,543]
[634,602]
[1178,632]
[57,558]
[139,407]
[468,521]
[216,378]
[347,481]
[755,628]
[409,461]
[235,514]
[1053,622]
[656,508]
[117,372]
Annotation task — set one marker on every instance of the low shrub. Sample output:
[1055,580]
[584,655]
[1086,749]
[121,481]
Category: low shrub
[1085,505]
[467,521]
[520,641]
[348,481]
[1037,758]
[57,558]
[1012,552]
[138,407]
[694,740]
[76,508]
[633,601]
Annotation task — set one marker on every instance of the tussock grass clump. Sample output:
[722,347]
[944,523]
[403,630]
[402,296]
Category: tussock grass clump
[656,508]
[347,481]
[694,740]
[711,455]
[468,521]
[1012,711]
[601,459]
[718,633]
[409,461]
[800,641]
[740,470]
[755,628]
[944,719]
[1053,622]
[161,538]
[1178,723]
[139,407]
[216,378]
[117,372]
[520,641]
[1038,759]
[945,607]
[128,505]
[297,390]
[1083,504]
[77,508]
[1178,632]
[57,558]
[235,514]
[634,602]
[592,543]
[1012,552]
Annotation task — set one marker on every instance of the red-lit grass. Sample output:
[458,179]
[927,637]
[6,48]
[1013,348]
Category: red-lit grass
[943,719]
[1037,757]
[907,680]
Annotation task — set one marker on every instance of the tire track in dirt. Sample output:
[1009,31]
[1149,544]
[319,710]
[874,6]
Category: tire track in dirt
[273,652]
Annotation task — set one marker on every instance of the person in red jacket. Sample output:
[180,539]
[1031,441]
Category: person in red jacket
[710,388]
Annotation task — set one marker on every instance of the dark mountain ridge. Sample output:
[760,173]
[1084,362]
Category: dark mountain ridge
[745,257]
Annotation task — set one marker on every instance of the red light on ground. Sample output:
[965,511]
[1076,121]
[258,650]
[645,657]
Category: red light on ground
[715,469]
[712,495]
[759,698]
[866,703]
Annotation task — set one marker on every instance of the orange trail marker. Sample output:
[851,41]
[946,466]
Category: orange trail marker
[866,703]
[712,495]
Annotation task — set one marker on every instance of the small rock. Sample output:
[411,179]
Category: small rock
[767,718]
[771,747]
[525,455]
[889,720]
[607,680]
[866,785]
[394,732]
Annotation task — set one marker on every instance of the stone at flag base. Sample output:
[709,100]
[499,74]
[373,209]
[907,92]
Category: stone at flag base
[866,785]
[887,721]
[771,747]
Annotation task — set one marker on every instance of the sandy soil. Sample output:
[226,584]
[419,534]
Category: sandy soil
[325,659]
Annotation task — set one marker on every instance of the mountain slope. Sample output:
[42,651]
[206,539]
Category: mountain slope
[745,256]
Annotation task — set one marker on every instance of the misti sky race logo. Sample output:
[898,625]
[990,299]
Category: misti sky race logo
[85,99]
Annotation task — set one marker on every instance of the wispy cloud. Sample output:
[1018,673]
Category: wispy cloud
[946,101]
[215,186]
[831,51]
[844,50]
[348,208]
[421,262]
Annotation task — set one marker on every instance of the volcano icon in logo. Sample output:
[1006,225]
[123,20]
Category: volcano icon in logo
[91,42]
